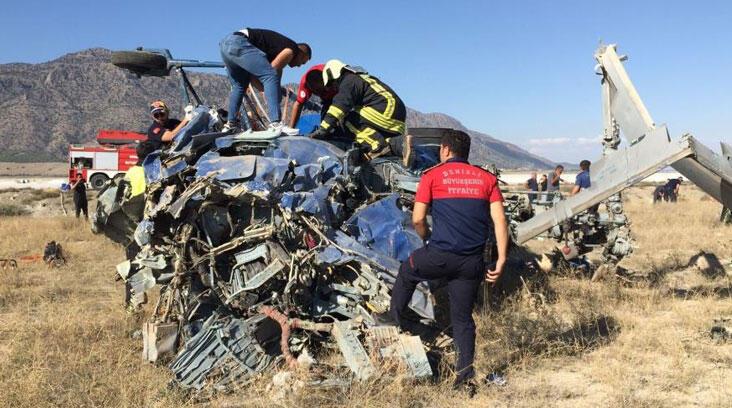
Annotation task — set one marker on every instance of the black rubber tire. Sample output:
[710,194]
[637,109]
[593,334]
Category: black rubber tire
[141,62]
[98,180]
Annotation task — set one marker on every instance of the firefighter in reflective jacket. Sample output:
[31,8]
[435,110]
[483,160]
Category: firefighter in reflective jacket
[364,109]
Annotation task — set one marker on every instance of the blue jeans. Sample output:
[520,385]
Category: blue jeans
[242,60]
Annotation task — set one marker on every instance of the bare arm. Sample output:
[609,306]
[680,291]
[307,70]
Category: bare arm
[171,134]
[419,220]
[555,178]
[501,227]
[575,190]
[296,111]
[282,59]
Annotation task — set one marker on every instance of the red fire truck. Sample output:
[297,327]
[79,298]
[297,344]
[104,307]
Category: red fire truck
[113,154]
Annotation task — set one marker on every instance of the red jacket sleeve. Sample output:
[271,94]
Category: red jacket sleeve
[303,92]
[494,193]
[424,189]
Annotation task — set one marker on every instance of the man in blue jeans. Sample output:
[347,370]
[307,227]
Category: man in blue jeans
[258,56]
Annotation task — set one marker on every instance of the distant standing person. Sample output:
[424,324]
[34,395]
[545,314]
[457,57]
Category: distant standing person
[258,56]
[532,184]
[582,181]
[672,189]
[80,202]
[554,180]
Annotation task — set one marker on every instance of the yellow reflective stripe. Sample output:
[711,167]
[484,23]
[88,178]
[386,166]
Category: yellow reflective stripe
[364,136]
[376,86]
[336,112]
[324,124]
[376,117]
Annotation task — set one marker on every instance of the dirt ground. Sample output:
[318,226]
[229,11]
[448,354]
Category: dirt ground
[52,169]
[640,341]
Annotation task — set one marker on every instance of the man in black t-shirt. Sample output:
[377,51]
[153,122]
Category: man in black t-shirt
[672,189]
[258,56]
[163,129]
[80,202]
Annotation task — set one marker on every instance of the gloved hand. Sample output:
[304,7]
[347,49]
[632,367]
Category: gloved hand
[319,134]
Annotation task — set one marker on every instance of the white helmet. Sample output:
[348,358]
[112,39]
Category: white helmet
[334,68]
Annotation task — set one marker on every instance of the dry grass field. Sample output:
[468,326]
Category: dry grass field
[640,341]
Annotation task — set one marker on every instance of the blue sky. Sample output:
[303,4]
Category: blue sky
[521,71]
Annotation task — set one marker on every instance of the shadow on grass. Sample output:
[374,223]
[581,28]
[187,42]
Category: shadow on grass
[524,339]
[721,292]
[708,264]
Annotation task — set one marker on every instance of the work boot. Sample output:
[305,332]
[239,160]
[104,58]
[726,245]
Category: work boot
[383,150]
[467,387]
[231,127]
[282,128]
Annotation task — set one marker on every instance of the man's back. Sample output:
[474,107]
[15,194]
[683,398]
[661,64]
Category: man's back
[460,195]
[583,180]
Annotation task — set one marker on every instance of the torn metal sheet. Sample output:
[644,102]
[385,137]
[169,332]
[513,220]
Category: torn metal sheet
[251,254]
[226,168]
[144,232]
[139,283]
[353,352]
[158,340]
[407,350]
[146,258]
[166,198]
[227,351]
[386,228]
[123,269]
[259,279]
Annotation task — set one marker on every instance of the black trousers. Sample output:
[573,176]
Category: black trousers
[81,205]
[464,274]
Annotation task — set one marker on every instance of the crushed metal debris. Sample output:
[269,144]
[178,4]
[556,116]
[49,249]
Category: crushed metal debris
[266,248]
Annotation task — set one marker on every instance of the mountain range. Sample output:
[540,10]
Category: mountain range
[48,105]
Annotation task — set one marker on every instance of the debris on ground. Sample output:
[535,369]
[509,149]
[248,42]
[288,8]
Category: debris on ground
[53,255]
[8,263]
[721,329]
[496,379]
